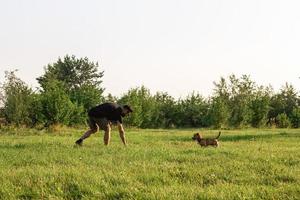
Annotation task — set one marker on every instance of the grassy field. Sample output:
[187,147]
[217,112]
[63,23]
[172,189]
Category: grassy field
[157,164]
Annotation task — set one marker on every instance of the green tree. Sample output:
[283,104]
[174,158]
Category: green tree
[86,96]
[283,121]
[81,78]
[142,103]
[260,106]
[295,117]
[193,111]
[57,108]
[164,113]
[16,99]
[283,102]
[36,110]
[241,94]
[219,113]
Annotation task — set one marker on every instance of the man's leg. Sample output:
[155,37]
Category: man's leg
[107,135]
[93,129]
[88,133]
[85,135]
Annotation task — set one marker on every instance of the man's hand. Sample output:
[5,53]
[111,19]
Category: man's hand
[122,133]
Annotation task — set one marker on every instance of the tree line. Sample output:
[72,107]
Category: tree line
[71,86]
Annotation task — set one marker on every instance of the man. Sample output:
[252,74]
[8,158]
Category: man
[102,117]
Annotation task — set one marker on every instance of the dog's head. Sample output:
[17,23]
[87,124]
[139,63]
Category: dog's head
[197,136]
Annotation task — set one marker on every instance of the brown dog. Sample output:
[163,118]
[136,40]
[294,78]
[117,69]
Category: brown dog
[206,142]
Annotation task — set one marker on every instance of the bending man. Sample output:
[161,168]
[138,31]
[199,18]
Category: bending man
[102,117]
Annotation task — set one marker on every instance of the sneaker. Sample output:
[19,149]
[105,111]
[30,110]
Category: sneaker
[79,142]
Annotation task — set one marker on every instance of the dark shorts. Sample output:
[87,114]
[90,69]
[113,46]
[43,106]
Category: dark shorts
[102,123]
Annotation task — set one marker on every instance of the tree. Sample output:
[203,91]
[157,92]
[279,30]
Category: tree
[81,78]
[57,106]
[295,117]
[193,111]
[241,94]
[283,102]
[16,99]
[283,121]
[73,72]
[142,103]
[219,113]
[260,106]
[164,114]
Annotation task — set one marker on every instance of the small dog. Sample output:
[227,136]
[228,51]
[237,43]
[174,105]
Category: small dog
[206,142]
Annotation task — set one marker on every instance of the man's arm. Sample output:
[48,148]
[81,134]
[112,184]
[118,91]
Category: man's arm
[122,133]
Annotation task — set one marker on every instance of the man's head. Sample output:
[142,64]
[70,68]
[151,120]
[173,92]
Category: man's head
[126,110]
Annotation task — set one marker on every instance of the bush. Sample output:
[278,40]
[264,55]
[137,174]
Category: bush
[218,113]
[164,113]
[295,117]
[193,111]
[260,106]
[283,121]
[56,104]
[17,100]
[142,104]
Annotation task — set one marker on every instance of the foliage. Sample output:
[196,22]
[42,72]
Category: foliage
[57,106]
[193,111]
[284,102]
[164,114]
[81,78]
[71,86]
[74,72]
[17,99]
[241,94]
[295,117]
[260,106]
[283,121]
[142,103]
[218,114]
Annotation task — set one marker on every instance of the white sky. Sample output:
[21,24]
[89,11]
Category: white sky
[167,45]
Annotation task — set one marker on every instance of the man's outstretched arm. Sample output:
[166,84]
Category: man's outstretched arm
[122,133]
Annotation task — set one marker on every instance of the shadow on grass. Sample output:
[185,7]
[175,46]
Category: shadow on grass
[32,145]
[12,146]
[28,194]
[234,138]
[253,137]
[224,137]
[72,191]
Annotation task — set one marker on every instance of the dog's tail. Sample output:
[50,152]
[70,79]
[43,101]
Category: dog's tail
[218,135]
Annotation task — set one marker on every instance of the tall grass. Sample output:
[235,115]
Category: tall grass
[157,164]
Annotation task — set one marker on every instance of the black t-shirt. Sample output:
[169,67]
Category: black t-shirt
[110,111]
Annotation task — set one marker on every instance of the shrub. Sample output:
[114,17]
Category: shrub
[17,99]
[295,117]
[283,121]
[56,104]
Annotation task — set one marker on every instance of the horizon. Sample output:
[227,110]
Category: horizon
[171,46]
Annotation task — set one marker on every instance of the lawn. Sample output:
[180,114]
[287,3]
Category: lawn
[157,164]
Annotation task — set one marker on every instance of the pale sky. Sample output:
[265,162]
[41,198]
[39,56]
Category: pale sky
[166,45]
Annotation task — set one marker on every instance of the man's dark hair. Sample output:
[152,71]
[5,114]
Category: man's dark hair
[128,108]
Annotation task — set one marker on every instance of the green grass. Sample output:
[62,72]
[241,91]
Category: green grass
[157,164]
